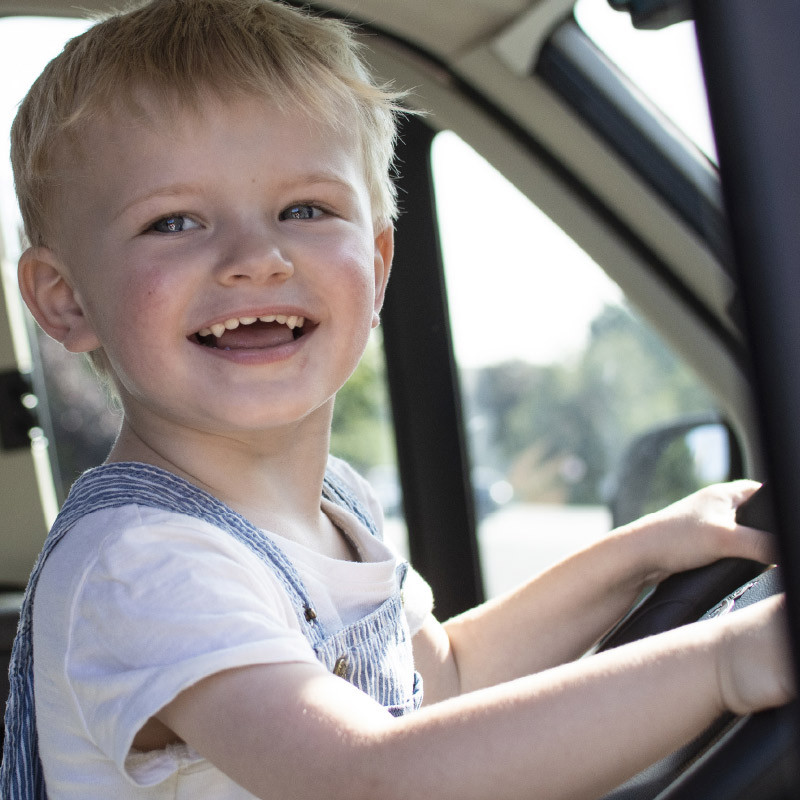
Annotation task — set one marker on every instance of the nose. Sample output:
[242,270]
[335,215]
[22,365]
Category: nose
[253,254]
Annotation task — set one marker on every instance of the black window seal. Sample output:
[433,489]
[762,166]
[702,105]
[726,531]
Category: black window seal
[432,452]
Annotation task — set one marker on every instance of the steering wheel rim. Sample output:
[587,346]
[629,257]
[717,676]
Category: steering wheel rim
[684,598]
[681,599]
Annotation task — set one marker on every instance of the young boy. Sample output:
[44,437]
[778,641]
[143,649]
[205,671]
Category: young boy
[205,185]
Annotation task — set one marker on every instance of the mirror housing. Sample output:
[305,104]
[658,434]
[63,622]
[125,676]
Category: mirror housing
[669,462]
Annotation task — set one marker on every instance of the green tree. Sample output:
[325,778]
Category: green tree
[361,431]
[675,476]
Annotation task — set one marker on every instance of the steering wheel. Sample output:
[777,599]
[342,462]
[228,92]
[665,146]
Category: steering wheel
[734,757]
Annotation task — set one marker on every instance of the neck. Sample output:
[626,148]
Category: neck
[273,478]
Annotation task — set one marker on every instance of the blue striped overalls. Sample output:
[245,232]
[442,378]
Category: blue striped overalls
[374,654]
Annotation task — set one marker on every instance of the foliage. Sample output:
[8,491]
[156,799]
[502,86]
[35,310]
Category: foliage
[675,476]
[563,428]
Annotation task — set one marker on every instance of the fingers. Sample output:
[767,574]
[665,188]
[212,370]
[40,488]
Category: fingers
[702,528]
[742,489]
[719,502]
[755,544]
[760,540]
[698,530]
[717,506]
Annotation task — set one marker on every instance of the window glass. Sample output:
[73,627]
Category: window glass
[664,65]
[558,373]
[79,418]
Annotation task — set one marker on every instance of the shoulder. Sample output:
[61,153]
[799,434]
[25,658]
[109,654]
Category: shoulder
[125,555]
[135,586]
[130,528]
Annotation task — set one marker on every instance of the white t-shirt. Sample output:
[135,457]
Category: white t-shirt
[136,604]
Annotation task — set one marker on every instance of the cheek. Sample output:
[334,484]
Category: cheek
[148,287]
[153,291]
[143,338]
[131,304]
[351,267]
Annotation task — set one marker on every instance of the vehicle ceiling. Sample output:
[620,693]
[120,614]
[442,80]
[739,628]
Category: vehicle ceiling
[444,27]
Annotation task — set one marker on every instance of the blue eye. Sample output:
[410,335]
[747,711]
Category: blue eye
[301,211]
[175,223]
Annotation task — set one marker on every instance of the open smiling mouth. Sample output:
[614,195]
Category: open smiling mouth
[249,333]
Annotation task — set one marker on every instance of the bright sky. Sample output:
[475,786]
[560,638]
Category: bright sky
[518,287]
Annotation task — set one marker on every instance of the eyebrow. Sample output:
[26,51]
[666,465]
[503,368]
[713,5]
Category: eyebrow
[163,191]
[315,178]
[176,189]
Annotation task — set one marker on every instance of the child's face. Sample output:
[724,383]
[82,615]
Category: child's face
[234,213]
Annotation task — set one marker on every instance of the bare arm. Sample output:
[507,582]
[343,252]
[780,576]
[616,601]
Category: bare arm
[294,731]
[559,614]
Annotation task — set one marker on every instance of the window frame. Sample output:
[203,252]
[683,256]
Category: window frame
[439,504]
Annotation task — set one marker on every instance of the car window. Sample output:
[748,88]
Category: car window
[559,375]
[663,64]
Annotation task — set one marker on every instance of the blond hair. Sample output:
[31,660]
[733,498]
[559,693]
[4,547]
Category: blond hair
[177,50]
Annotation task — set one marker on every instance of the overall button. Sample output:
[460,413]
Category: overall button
[340,667]
[311,615]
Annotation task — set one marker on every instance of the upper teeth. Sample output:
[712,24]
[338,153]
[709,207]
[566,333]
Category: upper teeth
[219,328]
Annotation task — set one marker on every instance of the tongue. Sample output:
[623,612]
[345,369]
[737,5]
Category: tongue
[255,336]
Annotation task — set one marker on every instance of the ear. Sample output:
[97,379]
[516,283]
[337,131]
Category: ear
[54,303]
[384,252]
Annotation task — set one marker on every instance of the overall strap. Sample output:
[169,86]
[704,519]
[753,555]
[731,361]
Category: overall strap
[335,491]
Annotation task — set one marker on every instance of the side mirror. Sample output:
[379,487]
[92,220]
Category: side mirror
[670,462]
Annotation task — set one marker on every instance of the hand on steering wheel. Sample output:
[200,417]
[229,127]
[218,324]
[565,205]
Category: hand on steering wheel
[716,589]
